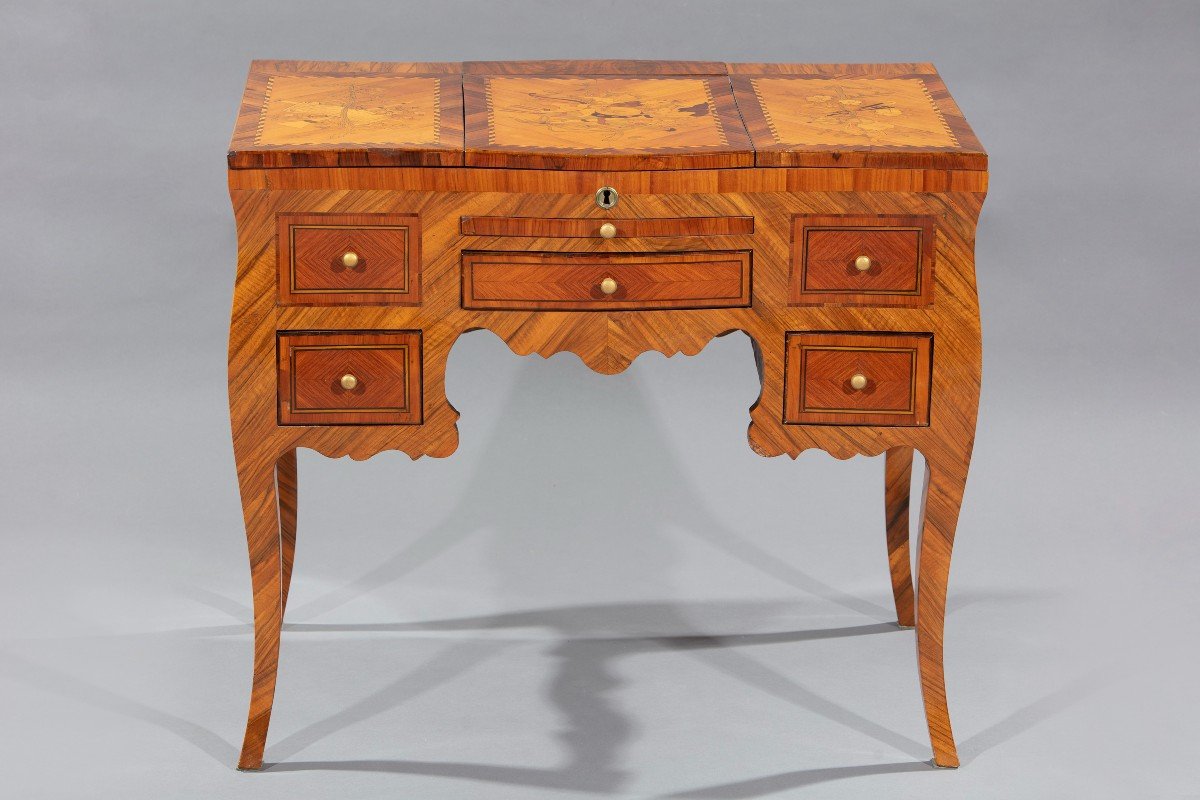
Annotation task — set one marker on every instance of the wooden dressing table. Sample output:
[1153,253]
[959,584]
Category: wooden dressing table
[605,208]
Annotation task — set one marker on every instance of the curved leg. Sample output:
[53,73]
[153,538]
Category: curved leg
[260,507]
[939,515]
[897,485]
[285,471]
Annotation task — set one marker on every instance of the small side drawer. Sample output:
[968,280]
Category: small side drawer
[862,260]
[605,281]
[350,378]
[349,259]
[857,378]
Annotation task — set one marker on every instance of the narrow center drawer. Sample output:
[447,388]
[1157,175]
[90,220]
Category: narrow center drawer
[606,228]
[605,281]
[350,378]
[857,378]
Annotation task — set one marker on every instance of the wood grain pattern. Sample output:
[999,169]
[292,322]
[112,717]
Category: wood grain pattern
[593,67]
[386,365]
[332,114]
[603,122]
[606,339]
[312,272]
[854,115]
[571,281]
[820,367]
[287,486]
[897,491]
[554,228]
[825,248]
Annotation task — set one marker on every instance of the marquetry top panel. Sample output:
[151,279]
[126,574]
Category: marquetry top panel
[603,121]
[600,115]
[298,114]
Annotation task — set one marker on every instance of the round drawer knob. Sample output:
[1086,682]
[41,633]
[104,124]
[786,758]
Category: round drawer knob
[608,285]
[608,230]
[350,259]
[349,382]
[862,263]
[858,381]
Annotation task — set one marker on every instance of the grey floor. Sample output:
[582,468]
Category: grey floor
[604,593]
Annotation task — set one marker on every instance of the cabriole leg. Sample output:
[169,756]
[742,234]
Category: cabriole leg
[286,485]
[944,486]
[897,488]
[261,509]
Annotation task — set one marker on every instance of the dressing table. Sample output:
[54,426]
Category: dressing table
[605,208]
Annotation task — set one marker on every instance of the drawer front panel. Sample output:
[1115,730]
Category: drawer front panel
[551,228]
[606,281]
[360,378]
[857,379]
[862,260]
[349,259]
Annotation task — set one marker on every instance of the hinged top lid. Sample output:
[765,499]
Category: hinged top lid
[600,115]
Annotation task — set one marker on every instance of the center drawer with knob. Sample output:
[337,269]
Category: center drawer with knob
[536,281]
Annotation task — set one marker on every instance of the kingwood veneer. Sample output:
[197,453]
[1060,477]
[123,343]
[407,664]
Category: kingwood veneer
[605,208]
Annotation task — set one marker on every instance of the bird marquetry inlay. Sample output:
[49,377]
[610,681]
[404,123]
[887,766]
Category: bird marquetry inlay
[355,110]
[602,112]
[851,112]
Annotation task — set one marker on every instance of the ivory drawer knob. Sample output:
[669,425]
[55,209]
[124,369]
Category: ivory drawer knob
[608,285]
[862,263]
[350,259]
[608,230]
[349,381]
[858,381]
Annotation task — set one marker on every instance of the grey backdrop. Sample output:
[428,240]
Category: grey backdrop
[604,592]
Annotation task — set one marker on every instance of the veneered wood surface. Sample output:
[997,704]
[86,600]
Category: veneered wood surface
[825,248]
[873,115]
[571,281]
[896,498]
[594,115]
[606,340]
[820,366]
[329,114]
[627,228]
[312,246]
[387,366]
[603,122]
[594,67]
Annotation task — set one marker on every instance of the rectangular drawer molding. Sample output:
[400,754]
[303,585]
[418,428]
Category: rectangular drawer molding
[349,259]
[857,378]
[576,281]
[350,378]
[897,265]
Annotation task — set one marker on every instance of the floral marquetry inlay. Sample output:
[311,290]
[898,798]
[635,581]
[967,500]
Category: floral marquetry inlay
[349,110]
[586,112]
[849,112]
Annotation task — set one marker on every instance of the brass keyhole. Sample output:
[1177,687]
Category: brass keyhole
[606,197]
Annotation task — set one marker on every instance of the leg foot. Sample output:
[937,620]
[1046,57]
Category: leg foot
[897,487]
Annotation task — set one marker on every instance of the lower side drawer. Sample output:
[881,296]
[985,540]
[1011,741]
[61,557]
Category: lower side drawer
[857,378]
[350,378]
